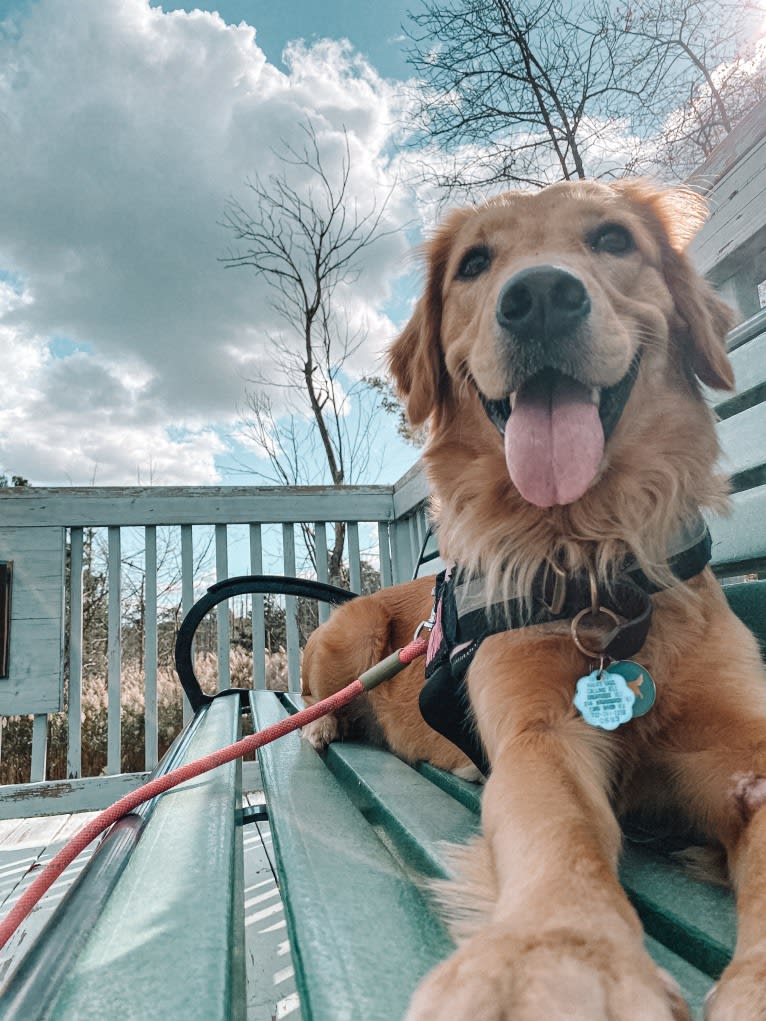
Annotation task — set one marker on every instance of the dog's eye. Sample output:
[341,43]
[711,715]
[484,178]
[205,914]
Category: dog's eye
[612,239]
[474,262]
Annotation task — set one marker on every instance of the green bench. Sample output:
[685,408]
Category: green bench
[154,926]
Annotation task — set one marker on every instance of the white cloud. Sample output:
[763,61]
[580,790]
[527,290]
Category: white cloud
[125,130]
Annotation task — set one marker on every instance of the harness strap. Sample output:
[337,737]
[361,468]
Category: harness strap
[462,621]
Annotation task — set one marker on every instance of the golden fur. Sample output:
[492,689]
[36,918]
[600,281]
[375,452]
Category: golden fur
[546,929]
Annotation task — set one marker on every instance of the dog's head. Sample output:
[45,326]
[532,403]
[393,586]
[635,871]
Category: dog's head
[544,308]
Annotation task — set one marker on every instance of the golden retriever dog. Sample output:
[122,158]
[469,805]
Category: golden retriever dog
[557,356]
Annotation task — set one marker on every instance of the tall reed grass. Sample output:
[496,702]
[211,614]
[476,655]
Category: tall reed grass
[16,731]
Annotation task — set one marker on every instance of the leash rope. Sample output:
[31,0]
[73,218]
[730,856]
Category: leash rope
[369,679]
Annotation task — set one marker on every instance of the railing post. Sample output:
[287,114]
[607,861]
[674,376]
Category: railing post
[151,720]
[291,610]
[222,610]
[354,557]
[257,621]
[114,659]
[74,695]
[187,592]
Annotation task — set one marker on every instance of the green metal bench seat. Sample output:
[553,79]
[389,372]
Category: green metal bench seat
[357,834]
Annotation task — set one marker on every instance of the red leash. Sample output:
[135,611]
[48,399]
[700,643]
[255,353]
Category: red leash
[369,679]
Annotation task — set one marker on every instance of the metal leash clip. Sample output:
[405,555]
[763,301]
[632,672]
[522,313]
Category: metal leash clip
[425,625]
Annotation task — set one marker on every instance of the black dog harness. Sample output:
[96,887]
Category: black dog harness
[462,620]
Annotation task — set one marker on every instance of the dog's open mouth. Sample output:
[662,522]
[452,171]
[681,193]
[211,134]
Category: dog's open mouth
[555,428]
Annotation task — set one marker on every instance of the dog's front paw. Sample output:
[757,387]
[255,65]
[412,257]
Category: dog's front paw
[560,975]
[740,995]
[321,732]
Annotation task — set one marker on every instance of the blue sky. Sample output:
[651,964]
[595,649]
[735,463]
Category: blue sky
[374,27]
[128,350]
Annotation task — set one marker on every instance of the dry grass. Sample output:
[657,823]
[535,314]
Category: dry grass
[16,732]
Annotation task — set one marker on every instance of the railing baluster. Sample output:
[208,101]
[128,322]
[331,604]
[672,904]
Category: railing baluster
[257,614]
[403,556]
[114,654]
[354,557]
[39,747]
[291,608]
[384,548]
[222,610]
[151,723]
[412,525]
[320,541]
[74,697]
[187,591]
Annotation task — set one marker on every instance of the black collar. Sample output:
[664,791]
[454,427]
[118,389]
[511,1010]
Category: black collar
[556,595]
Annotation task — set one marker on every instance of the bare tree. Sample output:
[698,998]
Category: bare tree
[516,92]
[527,92]
[306,241]
[709,70]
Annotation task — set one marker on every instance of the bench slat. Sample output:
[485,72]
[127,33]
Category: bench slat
[170,937]
[351,960]
[742,441]
[417,816]
[468,794]
[696,920]
[748,600]
[749,363]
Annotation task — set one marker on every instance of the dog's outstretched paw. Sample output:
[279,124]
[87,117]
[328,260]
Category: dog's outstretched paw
[495,976]
[321,732]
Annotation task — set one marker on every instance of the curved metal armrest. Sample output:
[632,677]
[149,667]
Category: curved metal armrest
[256,584]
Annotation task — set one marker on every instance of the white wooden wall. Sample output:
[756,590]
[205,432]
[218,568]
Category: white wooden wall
[731,248]
[35,681]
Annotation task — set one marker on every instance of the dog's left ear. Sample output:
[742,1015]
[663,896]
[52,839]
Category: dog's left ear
[415,359]
[706,319]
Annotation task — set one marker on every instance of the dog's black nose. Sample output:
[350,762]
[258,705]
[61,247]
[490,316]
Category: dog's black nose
[542,303]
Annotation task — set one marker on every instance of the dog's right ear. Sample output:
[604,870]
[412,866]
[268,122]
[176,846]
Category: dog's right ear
[416,360]
[416,363]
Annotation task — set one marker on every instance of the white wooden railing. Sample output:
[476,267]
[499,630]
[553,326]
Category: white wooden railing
[250,530]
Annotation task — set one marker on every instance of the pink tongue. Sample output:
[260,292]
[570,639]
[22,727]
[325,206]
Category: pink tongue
[553,441]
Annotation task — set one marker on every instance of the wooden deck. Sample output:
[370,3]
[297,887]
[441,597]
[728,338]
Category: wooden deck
[27,844]
[271,993]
